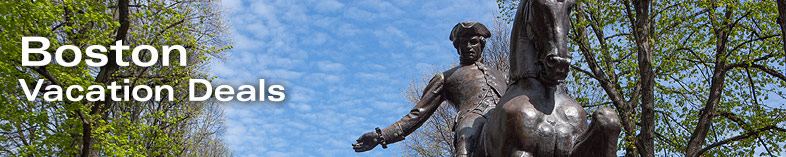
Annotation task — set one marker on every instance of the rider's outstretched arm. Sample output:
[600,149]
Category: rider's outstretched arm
[429,102]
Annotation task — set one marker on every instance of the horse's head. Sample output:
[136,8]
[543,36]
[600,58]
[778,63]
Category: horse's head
[539,40]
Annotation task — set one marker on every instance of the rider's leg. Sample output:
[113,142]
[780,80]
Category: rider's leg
[467,133]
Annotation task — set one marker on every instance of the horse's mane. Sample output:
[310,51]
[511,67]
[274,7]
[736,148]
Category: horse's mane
[522,65]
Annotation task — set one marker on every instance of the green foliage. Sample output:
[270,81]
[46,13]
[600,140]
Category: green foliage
[694,52]
[43,128]
[129,128]
[507,9]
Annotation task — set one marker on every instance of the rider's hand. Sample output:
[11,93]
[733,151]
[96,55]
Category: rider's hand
[367,142]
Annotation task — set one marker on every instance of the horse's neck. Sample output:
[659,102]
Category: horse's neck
[523,60]
[536,88]
[522,53]
[542,97]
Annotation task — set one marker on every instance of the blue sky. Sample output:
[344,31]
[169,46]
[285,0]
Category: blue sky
[344,64]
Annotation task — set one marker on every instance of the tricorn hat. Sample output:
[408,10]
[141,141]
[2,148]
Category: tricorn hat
[469,28]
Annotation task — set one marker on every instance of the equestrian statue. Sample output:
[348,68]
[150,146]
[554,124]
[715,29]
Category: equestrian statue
[536,116]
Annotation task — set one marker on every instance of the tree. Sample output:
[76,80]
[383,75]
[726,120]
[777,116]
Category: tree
[740,47]
[108,128]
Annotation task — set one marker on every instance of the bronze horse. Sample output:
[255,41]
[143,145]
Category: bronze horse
[536,116]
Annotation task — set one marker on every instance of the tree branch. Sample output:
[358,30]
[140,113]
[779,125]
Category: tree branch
[155,38]
[660,11]
[733,117]
[45,73]
[770,71]
[672,119]
[583,71]
[674,25]
[693,53]
[598,31]
[745,135]
[752,40]
[767,70]
[745,63]
[663,138]
[616,35]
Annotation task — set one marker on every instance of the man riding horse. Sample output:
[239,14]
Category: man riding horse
[472,88]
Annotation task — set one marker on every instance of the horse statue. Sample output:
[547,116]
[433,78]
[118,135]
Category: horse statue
[537,116]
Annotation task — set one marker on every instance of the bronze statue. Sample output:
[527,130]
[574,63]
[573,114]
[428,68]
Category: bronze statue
[472,88]
[536,116]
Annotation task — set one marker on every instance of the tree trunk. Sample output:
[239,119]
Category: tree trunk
[782,21]
[645,140]
[699,134]
[103,77]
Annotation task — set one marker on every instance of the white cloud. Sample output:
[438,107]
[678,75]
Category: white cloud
[262,8]
[358,14]
[424,67]
[382,9]
[301,107]
[384,106]
[232,4]
[324,22]
[328,5]
[320,79]
[301,94]
[342,62]
[242,42]
[316,39]
[327,66]
[375,66]
[281,74]
[345,29]
[222,69]
[276,153]
[259,30]
[395,31]
[376,76]
[271,60]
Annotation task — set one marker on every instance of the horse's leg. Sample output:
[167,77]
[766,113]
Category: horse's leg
[600,139]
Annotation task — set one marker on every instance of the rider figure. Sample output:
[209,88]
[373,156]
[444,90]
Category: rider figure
[472,88]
